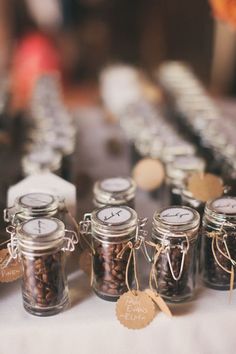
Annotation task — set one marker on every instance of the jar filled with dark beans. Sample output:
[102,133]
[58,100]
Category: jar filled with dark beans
[175,233]
[111,228]
[41,244]
[218,249]
[114,191]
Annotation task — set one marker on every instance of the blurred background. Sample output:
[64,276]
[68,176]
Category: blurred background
[89,34]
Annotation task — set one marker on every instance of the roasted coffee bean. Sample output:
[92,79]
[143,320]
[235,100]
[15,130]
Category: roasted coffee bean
[168,287]
[43,281]
[213,275]
[109,271]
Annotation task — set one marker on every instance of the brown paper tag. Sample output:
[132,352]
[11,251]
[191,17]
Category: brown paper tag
[205,186]
[135,311]
[13,270]
[159,302]
[85,262]
[149,174]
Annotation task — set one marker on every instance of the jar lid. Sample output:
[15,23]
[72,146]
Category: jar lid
[111,222]
[221,209]
[176,219]
[40,234]
[182,166]
[41,159]
[36,204]
[116,190]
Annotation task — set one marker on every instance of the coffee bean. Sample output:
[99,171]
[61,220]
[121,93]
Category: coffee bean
[43,279]
[168,287]
[109,271]
[213,275]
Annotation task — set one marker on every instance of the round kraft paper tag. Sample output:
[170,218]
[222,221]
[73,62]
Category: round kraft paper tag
[12,271]
[149,174]
[135,311]
[205,186]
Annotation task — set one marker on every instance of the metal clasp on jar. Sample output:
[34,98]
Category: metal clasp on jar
[9,215]
[184,247]
[85,225]
[70,241]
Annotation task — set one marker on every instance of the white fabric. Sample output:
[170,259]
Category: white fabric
[205,325]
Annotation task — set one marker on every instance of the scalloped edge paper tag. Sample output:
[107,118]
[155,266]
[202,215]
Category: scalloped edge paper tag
[159,302]
[135,311]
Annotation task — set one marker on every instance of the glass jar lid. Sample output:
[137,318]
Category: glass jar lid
[116,190]
[176,219]
[182,166]
[40,234]
[109,223]
[36,204]
[41,159]
[221,209]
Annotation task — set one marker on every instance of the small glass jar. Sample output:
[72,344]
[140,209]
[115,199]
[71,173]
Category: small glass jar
[177,173]
[218,243]
[41,159]
[187,199]
[111,228]
[114,191]
[41,244]
[175,232]
[33,205]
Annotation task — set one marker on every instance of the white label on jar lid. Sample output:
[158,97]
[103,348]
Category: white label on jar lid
[117,184]
[225,205]
[114,215]
[36,200]
[177,215]
[40,227]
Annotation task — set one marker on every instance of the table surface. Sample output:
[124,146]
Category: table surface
[206,325]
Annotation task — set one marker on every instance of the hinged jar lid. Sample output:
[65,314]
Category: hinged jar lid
[40,234]
[182,166]
[176,219]
[32,205]
[115,190]
[221,209]
[111,222]
[41,159]
[36,204]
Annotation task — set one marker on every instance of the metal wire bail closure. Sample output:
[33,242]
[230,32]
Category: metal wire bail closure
[85,225]
[70,241]
[12,246]
[184,247]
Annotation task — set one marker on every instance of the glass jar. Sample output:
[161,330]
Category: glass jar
[111,228]
[33,205]
[177,173]
[187,199]
[218,249]
[114,191]
[175,233]
[41,159]
[41,244]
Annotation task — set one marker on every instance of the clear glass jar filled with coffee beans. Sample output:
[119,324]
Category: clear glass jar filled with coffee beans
[218,248]
[40,243]
[111,230]
[175,233]
[115,191]
[177,172]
